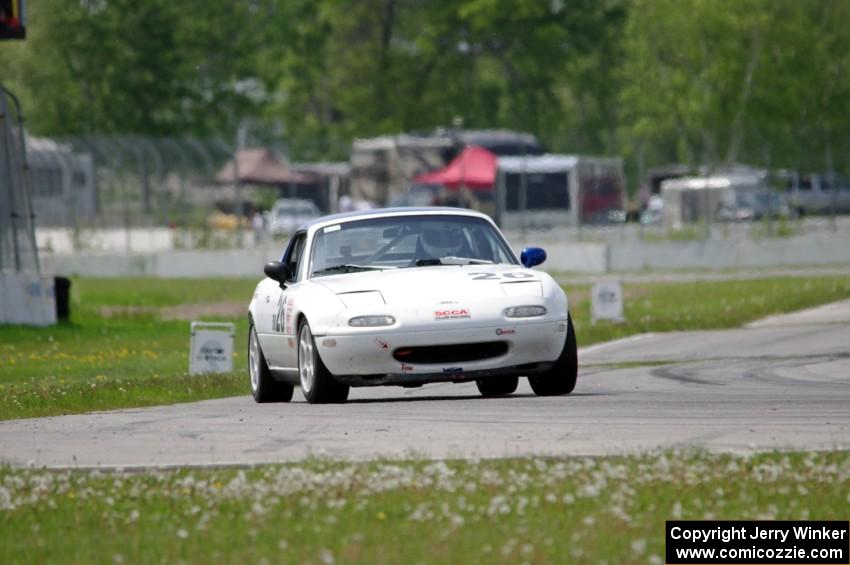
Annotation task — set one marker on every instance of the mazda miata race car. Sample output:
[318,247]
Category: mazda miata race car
[405,297]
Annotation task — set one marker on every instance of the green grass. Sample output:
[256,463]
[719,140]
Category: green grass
[702,305]
[118,351]
[535,510]
[116,331]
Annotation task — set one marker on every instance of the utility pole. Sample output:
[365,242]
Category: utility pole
[241,132]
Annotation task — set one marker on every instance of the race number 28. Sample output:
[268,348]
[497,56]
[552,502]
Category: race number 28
[496,276]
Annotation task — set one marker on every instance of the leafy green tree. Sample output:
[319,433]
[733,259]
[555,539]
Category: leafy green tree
[700,81]
[712,82]
[153,68]
[384,66]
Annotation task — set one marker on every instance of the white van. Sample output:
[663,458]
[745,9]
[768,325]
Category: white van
[814,193]
[289,214]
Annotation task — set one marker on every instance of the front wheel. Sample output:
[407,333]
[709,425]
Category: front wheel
[497,386]
[560,379]
[317,383]
[263,386]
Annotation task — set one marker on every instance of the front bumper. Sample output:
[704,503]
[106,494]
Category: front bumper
[366,358]
[416,379]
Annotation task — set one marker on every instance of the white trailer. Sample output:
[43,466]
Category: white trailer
[547,191]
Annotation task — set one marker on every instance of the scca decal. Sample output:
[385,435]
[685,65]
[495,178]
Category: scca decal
[453,314]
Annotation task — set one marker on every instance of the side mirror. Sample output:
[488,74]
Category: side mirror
[277,271]
[532,256]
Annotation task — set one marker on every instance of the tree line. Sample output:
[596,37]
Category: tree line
[702,82]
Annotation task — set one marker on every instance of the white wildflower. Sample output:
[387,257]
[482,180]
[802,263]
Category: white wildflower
[639,546]
[677,510]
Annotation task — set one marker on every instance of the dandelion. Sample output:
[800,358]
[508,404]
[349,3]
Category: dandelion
[508,548]
[677,510]
[639,546]
[326,556]
[182,533]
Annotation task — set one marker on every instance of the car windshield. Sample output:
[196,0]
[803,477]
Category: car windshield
[296,209]
[757,199]
[407,241]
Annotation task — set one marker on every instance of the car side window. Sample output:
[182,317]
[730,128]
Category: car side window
[293,258]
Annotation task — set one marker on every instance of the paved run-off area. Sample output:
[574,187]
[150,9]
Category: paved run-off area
[776,386]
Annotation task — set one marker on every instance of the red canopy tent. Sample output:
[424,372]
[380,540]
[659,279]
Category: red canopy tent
[474,168]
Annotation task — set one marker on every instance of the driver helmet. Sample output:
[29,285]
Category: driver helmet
[438,243]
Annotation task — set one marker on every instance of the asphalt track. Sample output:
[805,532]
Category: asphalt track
[780,384]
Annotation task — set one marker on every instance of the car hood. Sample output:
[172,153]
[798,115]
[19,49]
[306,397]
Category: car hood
[437,284]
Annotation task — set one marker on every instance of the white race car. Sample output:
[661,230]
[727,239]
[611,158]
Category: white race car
[407,296]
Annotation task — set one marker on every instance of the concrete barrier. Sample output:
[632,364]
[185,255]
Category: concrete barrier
[707,254]
[563,256]
[729,254]
[165,264]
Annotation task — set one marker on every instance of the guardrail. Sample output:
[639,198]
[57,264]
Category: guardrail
[563,256]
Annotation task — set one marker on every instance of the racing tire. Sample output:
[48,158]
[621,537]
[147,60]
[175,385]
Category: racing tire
[560,379]
[497,386]
[317,383]
[264,388]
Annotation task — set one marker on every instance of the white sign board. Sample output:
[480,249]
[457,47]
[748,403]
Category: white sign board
[607,301]
[27,298]
[211,348]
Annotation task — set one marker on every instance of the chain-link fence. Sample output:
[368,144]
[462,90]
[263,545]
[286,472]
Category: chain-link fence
[17,234]
[118,181]
[132,193]
[128,192]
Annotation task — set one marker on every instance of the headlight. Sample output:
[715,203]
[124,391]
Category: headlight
[525,311]
[371,321]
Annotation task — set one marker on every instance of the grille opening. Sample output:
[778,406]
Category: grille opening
[456,353]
